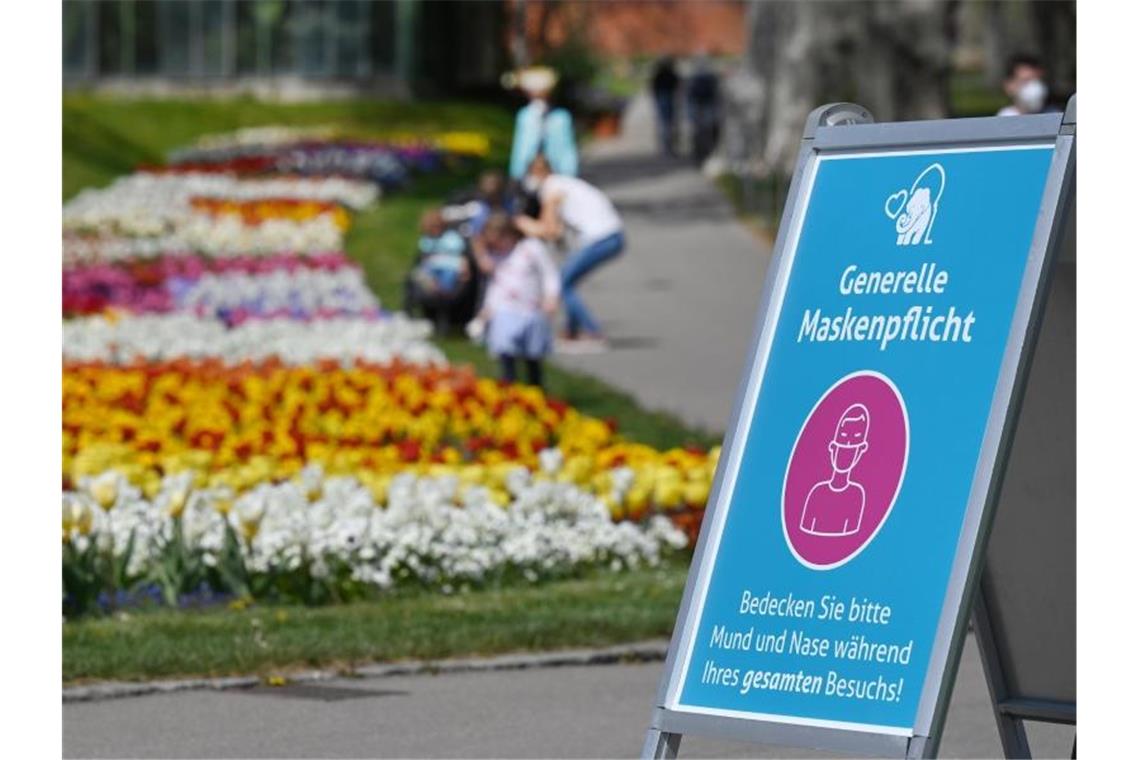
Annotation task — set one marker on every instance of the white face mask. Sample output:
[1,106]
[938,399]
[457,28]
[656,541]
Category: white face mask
[1031,96]
[530,183]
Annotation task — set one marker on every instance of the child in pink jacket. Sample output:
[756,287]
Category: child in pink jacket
[521,298]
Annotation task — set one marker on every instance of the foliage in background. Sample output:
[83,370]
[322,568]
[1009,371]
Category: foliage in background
[92,574]
[760,201]
[972,95]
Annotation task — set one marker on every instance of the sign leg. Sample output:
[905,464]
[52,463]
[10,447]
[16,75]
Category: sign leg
[660,745]
[1014,742]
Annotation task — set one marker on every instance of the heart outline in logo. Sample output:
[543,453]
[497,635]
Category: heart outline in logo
[895,203]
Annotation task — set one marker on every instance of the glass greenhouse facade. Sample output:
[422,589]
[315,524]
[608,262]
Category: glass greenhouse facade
[200,40]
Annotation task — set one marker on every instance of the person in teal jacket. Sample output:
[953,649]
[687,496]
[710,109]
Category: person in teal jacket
[539,127]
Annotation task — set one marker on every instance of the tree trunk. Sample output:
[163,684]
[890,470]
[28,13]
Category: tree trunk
[892,56]
[1055,27]
[520,55]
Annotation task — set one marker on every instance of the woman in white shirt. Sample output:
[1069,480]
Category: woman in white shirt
[569,203]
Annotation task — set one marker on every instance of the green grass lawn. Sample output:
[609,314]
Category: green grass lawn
[603,608]
[104,136]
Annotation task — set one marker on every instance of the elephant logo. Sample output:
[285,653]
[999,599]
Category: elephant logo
[914,210]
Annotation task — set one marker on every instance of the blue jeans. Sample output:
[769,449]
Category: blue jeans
[666,126]
[446,278]
[578,265]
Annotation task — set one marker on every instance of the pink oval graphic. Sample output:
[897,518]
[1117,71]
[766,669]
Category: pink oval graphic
[845,470]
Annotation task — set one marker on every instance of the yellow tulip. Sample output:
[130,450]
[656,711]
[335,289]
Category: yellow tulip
[176,503]
[249,527]
[617,511]
[77,518]
[105,490]
[379,488]
[637,500]
[667,493]
[696,493]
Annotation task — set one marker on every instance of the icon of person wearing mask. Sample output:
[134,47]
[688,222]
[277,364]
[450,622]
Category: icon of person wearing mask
[834,507]
[1025,86]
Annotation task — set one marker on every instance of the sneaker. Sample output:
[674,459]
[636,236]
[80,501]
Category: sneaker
[583,344]
[476,330]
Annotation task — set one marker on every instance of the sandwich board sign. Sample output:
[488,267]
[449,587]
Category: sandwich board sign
[831,588]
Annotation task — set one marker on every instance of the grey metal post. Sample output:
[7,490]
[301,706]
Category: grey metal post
[660,745]
[298,15]
[91,62]
[263,42]
[364,51]
[330,26]
[127,38]
[229,33]
[195,42]
[405,41]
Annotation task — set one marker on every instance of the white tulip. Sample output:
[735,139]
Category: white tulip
[166,337]
[421,536]
[146,204]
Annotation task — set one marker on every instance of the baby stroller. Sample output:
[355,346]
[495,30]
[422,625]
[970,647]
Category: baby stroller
[446,307]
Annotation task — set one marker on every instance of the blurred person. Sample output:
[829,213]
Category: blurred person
[542,128]
[521,299]
[441,266]
[1025,85]
[569,204]
[664,85]
[490,196]
[702,98]
[467,210]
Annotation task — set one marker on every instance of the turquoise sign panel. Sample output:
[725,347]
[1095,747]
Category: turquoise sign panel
[828,568]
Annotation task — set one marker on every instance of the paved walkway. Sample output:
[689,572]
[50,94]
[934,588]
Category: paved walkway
[679,305]
[590,711]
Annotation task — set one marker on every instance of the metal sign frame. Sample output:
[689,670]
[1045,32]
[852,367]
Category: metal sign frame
[1039,487]
[846,128]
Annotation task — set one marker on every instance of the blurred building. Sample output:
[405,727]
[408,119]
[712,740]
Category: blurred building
[283,47]
[632,28]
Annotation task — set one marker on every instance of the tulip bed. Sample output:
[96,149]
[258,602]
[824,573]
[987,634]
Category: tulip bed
[242,418]
[322,151]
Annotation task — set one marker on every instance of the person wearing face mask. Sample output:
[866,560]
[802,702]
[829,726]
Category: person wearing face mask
[1025,86]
